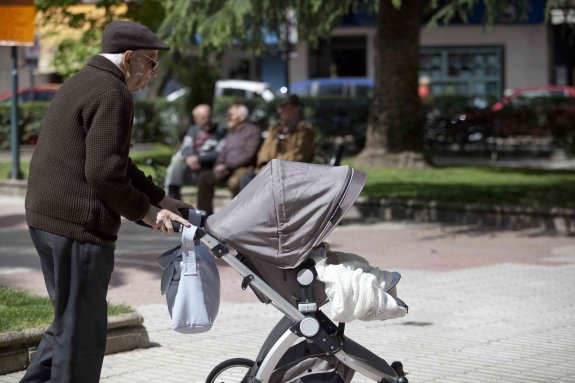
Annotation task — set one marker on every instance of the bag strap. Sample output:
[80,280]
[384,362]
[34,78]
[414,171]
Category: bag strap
[195,218]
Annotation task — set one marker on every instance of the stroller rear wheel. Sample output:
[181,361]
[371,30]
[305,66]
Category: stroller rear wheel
[230,371]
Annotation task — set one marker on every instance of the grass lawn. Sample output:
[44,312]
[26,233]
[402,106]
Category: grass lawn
[20,310]
[5,168]
[483,185]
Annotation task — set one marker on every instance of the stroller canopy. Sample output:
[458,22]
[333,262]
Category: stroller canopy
[289,208]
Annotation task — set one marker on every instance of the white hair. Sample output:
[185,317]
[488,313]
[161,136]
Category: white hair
[116,58]
[242,111]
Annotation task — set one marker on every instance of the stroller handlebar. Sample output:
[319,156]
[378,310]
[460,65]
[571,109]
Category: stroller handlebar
[217,248]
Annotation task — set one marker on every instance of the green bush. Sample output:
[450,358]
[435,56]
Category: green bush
[161,121]
[30,117]
[158,121]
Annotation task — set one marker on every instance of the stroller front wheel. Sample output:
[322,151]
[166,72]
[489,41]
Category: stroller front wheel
[230,371]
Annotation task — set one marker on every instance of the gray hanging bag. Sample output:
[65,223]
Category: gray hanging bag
[191,282]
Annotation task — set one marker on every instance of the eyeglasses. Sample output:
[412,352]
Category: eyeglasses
[154,62]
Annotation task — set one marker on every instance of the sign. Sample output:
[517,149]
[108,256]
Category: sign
[17,22]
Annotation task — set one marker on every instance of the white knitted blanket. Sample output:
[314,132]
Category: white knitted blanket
[357,290]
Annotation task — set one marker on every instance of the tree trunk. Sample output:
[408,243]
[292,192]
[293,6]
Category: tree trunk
[394,123]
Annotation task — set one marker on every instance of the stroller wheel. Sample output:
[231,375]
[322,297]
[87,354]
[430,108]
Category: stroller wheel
[230,371]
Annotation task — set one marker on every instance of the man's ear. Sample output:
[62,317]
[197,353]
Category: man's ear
[127,58]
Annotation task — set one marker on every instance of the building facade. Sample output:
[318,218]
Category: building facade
[468,59]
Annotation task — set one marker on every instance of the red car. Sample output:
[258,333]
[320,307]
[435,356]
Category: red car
[544,112]
[521,96]
[43,92]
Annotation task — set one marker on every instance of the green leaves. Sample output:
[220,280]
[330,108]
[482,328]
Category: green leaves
[73,54]
[217,25]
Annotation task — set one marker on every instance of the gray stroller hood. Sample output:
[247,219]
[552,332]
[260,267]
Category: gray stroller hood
[288,209]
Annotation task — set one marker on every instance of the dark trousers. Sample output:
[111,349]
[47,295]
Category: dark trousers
[77,276]
[207,183]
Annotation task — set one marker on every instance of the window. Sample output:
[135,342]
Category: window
[330,90]
[340,56]
[475,72]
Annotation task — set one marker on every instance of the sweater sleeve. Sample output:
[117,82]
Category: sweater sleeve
[107,163]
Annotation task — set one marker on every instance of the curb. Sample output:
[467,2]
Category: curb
[125,332]
[13,188]
[560,221]
[557,220]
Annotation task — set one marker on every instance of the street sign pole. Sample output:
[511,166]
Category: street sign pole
[15,172]
[16,29]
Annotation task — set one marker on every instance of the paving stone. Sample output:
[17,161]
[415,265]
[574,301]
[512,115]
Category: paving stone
[485,306]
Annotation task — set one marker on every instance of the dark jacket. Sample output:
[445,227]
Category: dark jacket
[81,179]
[206,144]
[240,147]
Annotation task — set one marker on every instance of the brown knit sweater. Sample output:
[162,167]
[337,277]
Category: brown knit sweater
[81,179]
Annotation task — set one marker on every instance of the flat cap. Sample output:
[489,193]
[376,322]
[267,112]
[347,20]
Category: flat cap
[121,36]
[292,99]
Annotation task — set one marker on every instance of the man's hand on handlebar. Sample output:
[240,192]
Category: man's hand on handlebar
[163,219]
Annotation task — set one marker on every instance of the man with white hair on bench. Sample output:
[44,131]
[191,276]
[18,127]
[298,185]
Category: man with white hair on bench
[238,157]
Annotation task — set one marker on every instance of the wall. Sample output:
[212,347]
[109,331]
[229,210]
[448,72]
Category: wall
[526,48]
[527,52]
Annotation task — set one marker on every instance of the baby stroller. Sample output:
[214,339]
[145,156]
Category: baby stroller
[267,233]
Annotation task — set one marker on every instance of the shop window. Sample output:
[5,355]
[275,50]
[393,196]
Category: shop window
[476,72]
[341,56]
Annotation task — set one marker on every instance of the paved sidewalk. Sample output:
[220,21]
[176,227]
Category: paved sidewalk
[485,306]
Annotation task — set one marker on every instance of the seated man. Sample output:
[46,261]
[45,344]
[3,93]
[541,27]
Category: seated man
[290,139]
[198,151]
[238,156]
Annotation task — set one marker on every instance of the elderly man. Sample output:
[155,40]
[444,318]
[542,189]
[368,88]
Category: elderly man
[81,181]
[198,152]
[291,138]
[238,156]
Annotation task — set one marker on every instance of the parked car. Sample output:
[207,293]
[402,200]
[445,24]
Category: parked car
[359,87]
[536,113]
[244,89]
[521,96]
[43,92]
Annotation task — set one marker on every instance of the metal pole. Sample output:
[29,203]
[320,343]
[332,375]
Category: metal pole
[15,172]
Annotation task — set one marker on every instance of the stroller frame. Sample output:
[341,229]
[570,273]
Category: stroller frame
[306,322]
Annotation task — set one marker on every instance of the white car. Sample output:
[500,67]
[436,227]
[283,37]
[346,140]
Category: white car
[240,88]
[244,89]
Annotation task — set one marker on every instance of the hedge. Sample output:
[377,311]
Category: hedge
[160,121]
[157,121]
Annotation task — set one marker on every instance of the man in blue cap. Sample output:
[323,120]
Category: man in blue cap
[81,182]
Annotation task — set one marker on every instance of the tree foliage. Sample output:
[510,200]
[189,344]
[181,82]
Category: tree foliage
[217,25]
[221,24]
[72,53]
[59,12]
[394,125]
